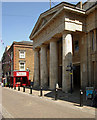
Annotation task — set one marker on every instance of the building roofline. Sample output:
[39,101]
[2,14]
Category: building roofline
[62,4]
[58,5]
[23,43]
[92,6]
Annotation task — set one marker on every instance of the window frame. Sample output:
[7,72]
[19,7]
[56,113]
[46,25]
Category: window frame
[20,54]
[75,47]
[21,65]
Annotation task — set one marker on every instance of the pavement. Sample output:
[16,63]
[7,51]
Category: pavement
[65,103]
[73,98]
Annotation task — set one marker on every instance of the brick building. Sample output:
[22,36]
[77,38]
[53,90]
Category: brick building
[63,35]
[18,63]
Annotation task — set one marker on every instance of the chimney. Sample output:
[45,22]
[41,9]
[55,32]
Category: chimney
[79,5]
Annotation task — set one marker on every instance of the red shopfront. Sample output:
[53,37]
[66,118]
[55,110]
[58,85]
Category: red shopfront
[21,78]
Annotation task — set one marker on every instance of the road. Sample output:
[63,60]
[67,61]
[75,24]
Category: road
[17,104]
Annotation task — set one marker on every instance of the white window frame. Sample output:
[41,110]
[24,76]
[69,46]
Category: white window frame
[20,66]
[21,55]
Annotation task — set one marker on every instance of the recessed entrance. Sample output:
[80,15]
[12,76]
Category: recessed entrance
[76,77]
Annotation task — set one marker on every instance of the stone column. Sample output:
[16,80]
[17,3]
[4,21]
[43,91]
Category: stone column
[53,64]
[89,59]
[36,68]
[66,60]
[95,40]
[44,68]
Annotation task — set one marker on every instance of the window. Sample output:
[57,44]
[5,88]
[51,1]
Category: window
[21,54]
[76,46]
[22,65]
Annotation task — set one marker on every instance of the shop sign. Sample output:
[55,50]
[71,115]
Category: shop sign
[21,74]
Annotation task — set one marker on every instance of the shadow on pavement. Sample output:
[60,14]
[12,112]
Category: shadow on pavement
[74,97]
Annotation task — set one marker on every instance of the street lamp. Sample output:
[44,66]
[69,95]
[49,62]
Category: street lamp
[71,68]
[27,69]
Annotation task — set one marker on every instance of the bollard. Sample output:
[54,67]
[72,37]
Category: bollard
[41,91]
[15,87]
[12,86]
[9,85]
[56,93]
[31,90]
[24,88]
[81,98]
[18,88]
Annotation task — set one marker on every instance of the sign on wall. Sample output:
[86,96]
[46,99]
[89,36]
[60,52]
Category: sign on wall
[21,74]
[89,92]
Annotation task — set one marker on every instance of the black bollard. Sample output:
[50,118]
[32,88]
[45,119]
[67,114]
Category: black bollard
[9,85]
[15,87]
[56,93]
[24,88]
[41,91]
[18,88]
[31,90]
[81,98]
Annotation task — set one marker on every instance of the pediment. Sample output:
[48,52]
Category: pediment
[43,21]
[45,17]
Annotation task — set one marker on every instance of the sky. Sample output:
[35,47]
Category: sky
[19,18]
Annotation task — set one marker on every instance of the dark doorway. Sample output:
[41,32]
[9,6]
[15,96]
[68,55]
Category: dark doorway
[24,80]
[60,77]
[76,77]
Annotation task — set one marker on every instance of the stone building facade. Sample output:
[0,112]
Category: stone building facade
[18,59]
[63,35]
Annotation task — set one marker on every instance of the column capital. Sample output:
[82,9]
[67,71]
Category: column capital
[66,32]
[43,45]
[36,49]
[54,39]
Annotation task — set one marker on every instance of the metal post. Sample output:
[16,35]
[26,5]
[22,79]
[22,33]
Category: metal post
[41,91]
[9,85]
[15,87]
[31,90]
[81,98]
[24,88]
[18,88]
[56,93]
[71,82]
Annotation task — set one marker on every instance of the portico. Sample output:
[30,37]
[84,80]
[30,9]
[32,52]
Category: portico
[50,58]
[59,38]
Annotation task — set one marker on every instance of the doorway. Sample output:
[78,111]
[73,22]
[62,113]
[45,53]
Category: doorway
[76,77]
[60,77]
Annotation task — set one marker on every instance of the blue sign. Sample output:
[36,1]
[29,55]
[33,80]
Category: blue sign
[89,92]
